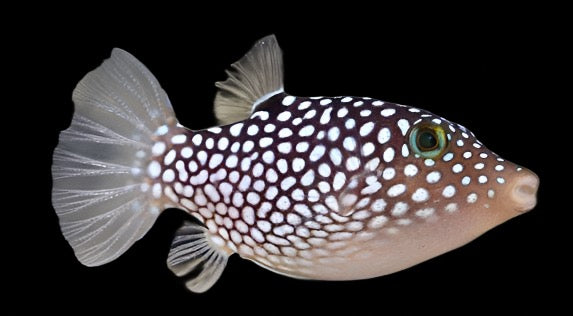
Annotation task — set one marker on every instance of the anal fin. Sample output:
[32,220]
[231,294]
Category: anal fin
[195,257]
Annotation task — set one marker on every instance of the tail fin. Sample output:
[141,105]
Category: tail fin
[100,191]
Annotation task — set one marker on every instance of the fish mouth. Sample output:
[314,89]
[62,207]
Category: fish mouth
[523,192]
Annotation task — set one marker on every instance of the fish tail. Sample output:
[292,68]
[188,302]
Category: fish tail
[101,191]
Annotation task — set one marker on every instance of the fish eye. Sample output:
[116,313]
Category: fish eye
[428,140]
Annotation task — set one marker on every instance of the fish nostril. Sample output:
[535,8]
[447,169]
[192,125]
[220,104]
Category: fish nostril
[524,190]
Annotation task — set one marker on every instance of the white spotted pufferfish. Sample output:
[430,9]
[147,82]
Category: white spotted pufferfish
[324,188]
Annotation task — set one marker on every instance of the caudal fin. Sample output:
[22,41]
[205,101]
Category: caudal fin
[100,190]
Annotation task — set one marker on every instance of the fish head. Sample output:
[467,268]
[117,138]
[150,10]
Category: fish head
[443,177]
[440,188]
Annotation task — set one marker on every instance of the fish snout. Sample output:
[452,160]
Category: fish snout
[523,190]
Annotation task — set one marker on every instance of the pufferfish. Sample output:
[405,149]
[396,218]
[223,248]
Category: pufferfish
[324,188]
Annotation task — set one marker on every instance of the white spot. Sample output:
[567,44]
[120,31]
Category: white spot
[490,193]
[387,112]
[358,103]
[186,152]
[352,163]
[404,125]
[388,155]
[499,168]
[342,112]
[288,100]
[257,235]
[451,208]
[350,123]
[349,143]
[467,154]
[168,175]
[317,153]
[324,170]
[373,163]
[377,221]
[285,132]
[269,128]
[197,139]
[297,164]
[238,199]
[248,146]
[339,181]
[162,130]
[366,128]
[482,179]
[405,150]
[283,203]
[158,148]
[346,100]
[252,130]
[449,191]
[384,135]
[215,130]
[410,170]
[500,180]
[287,183]
[457,168]
[365,113]
[179,139]
[282,165]
[429,162]
[235,130]
[433,177]
[264,115]
[368,149]
[437,121]
[377,103]
[170,157]
[333,133]
[399,209]
[285,147]
[268,157]
[472,198]
[265,142]
[231,161]
[248,215]
[202,157]
[310,114]
[154,169]
[448,157]
[325,117]
[308,178]
[258,170]
[420,195]
[378,205]
[284,116]
[396,190]
[479,166]
[325,101]
[235,147]
[466,180]
[425,212]
[304,105]
[245,164]
[216,160]
[388,173]
[193,166]
[476,145]
[223,143]
[302,147]
[335,156]
[460,143]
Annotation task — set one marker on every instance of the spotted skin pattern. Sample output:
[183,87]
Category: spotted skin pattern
[304,182]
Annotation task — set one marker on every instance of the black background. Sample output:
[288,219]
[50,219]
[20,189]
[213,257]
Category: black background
[497,74]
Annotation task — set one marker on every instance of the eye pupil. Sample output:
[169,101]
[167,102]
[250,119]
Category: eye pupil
[427,140]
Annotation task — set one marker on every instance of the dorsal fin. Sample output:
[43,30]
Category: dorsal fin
[251,80]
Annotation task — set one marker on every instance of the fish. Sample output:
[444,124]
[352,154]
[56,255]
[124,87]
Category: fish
[322,188]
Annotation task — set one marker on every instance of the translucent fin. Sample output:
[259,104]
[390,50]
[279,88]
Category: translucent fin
[254,78]
[99,164]
[194,256]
